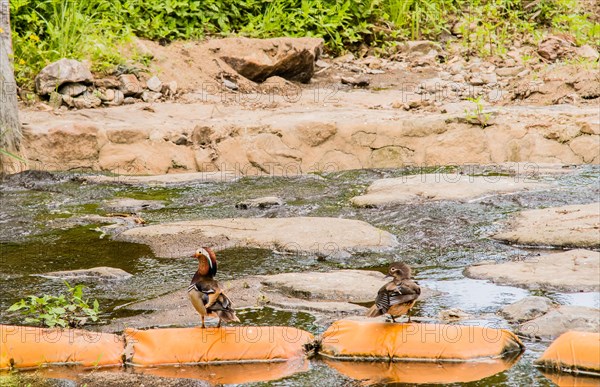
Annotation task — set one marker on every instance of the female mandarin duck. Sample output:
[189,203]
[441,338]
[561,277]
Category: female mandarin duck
[204,291]
[398,296]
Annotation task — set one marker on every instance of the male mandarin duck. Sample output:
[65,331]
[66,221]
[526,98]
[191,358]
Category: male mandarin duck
[204,291]
[397,296]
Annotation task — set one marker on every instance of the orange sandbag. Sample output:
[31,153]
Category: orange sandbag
[23,347]
[215,345]
[415,372]
[365,340]
[577,352]
[219,374]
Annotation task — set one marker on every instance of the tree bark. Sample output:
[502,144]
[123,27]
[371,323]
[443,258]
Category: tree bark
[10,128]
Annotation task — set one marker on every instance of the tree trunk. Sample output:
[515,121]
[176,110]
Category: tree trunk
[10,128]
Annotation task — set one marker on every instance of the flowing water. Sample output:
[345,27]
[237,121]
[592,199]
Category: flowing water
[43,228]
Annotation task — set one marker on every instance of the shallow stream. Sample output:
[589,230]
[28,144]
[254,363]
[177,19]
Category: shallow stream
[41,230]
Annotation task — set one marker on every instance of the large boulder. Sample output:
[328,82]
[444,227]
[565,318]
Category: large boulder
[60,72]
[439,187]
[329,237]
[258,59]
[571,271]
[566,226]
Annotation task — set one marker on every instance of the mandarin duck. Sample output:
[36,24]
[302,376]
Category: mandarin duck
[204,291]
[397,296]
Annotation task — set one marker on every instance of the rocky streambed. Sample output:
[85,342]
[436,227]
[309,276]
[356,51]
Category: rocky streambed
[314,248]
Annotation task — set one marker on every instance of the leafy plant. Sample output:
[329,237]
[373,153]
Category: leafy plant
[477,114]
[70,310]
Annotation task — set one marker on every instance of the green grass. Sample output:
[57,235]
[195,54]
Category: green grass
[47,30]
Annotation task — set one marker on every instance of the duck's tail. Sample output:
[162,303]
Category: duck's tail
[227,315]
[374,311]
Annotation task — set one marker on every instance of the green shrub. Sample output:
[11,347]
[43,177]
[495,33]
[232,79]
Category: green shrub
[69,310]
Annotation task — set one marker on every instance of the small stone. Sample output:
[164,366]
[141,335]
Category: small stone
[357,82]
[150,96]
[169,89]
[87,101]
[154,84]
[523,73]
[108,83]
[456,68]
[509,71]
[453,314]
[55,100]
[129,100]
[72,89]
[322,64]
[118,99]
[230,85]
[107,95]
[264,202]
[458,78]
[130,86]
[68,100]
[489,78]
[527,309]
[588,52]
[477,80]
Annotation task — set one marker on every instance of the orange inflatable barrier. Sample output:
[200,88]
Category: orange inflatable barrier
[215,345]
[415,372]
[365,340]
[576,352]
[231,373]
[25,347]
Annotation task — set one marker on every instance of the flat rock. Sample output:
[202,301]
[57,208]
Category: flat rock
[439,187]
[301,235]
[264,202]
[571,271]
[95,273]
[258,59]
[527,309]
[131,205]
[60,72]
[566,226]
[359,286]
[167,179]
[563,319]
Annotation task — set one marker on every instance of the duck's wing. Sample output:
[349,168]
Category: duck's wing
[406,291]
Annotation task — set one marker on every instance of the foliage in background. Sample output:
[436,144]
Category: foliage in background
[46,30]
[70,310]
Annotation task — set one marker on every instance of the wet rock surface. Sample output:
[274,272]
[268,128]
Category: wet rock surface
[328,237]
[570,271]
[327,295]
[439,187]
[264,202]
[566,226]
[131,205]
[159,180]
[562,319]
[95,273]
[527,309]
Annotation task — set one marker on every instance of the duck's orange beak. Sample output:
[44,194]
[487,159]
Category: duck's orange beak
[195,255]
